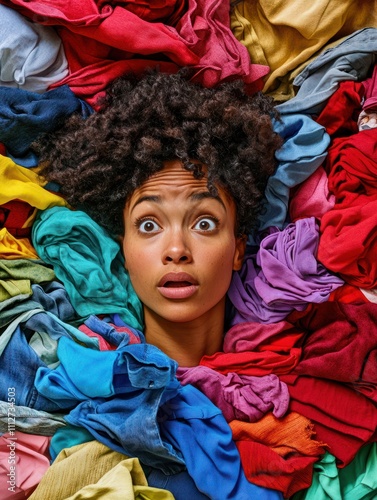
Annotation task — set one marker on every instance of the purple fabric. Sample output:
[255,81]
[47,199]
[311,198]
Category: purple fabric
[284,275]
[239,397]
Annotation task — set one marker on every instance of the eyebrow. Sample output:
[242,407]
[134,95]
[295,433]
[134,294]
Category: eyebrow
[193,197]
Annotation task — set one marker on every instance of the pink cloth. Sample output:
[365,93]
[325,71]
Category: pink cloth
[31,460]
[239,397]
[311,198]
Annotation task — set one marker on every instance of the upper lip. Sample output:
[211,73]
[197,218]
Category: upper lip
[177,277]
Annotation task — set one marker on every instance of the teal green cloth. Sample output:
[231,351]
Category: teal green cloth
[68,436]
[88,262]
[356,481]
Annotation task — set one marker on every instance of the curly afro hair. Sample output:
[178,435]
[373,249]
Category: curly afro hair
[142,122]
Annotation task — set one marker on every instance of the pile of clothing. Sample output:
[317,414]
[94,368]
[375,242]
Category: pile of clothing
[288,409]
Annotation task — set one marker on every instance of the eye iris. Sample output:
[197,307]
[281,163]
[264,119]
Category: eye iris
[148,226]
[204,224]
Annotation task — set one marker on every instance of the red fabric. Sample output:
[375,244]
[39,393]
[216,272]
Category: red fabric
[348,294]
[3,149]
[13,216]
[341,112]
[343,418]
[263,466]
[168,10]
[341,345]
[253,336]
[348,239]
[253,363]
[115,41]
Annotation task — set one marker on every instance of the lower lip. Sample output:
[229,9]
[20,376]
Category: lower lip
[182,292]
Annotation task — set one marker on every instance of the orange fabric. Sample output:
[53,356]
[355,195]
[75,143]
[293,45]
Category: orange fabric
[291,434]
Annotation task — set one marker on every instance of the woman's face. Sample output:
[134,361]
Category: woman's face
[180,245]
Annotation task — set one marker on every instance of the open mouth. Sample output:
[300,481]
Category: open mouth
[177,284]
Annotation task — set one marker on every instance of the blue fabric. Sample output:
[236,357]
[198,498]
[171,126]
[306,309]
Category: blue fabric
[109,333]
[18,366]
[181,484]
[88,262]
[116,396]
[196,427]
[24,116]
[103,374]
[349,60]
[303,151]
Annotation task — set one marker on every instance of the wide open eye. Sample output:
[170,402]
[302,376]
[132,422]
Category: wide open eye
[206,224]
[148,226]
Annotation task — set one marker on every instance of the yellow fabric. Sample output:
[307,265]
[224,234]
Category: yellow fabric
[118,484]
[93,470]
[20,183]
[15,248]
[285,34]
[74,468]
[12,288]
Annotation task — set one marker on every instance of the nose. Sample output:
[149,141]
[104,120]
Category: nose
[176,249]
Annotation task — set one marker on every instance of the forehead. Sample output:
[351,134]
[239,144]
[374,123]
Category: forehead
[171,182]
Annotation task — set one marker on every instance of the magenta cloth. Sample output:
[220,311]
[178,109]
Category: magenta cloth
[343,419]
[239,397]
[102,44]
[205,27]
[32,460]
[312,198]
[285,275]
[341,344]
[252,336]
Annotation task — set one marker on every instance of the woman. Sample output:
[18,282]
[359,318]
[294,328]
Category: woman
[177,173]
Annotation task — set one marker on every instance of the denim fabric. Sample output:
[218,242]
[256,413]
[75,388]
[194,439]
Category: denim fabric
[25,115]
[18,366]
[116,395]
[350,60]
[31,421]
[303,151]
[196,427]
[119,335]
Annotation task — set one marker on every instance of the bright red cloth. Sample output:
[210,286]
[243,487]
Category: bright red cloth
[263,466]
[341,112]
[348,240]
[342,417]
[253,363]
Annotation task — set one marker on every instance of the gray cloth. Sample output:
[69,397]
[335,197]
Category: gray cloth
[350,60]
[31,421]
[31,55]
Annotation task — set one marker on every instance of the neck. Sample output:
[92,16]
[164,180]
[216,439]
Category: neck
[186,342]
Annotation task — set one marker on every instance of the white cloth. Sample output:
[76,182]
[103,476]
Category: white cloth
[31,55]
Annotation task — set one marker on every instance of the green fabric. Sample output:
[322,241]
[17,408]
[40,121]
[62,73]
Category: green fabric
[34,270]
[356,481]
[17,276]
[88,262]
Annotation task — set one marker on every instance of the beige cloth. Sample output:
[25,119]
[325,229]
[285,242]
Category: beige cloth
[93,470]
[287,34]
